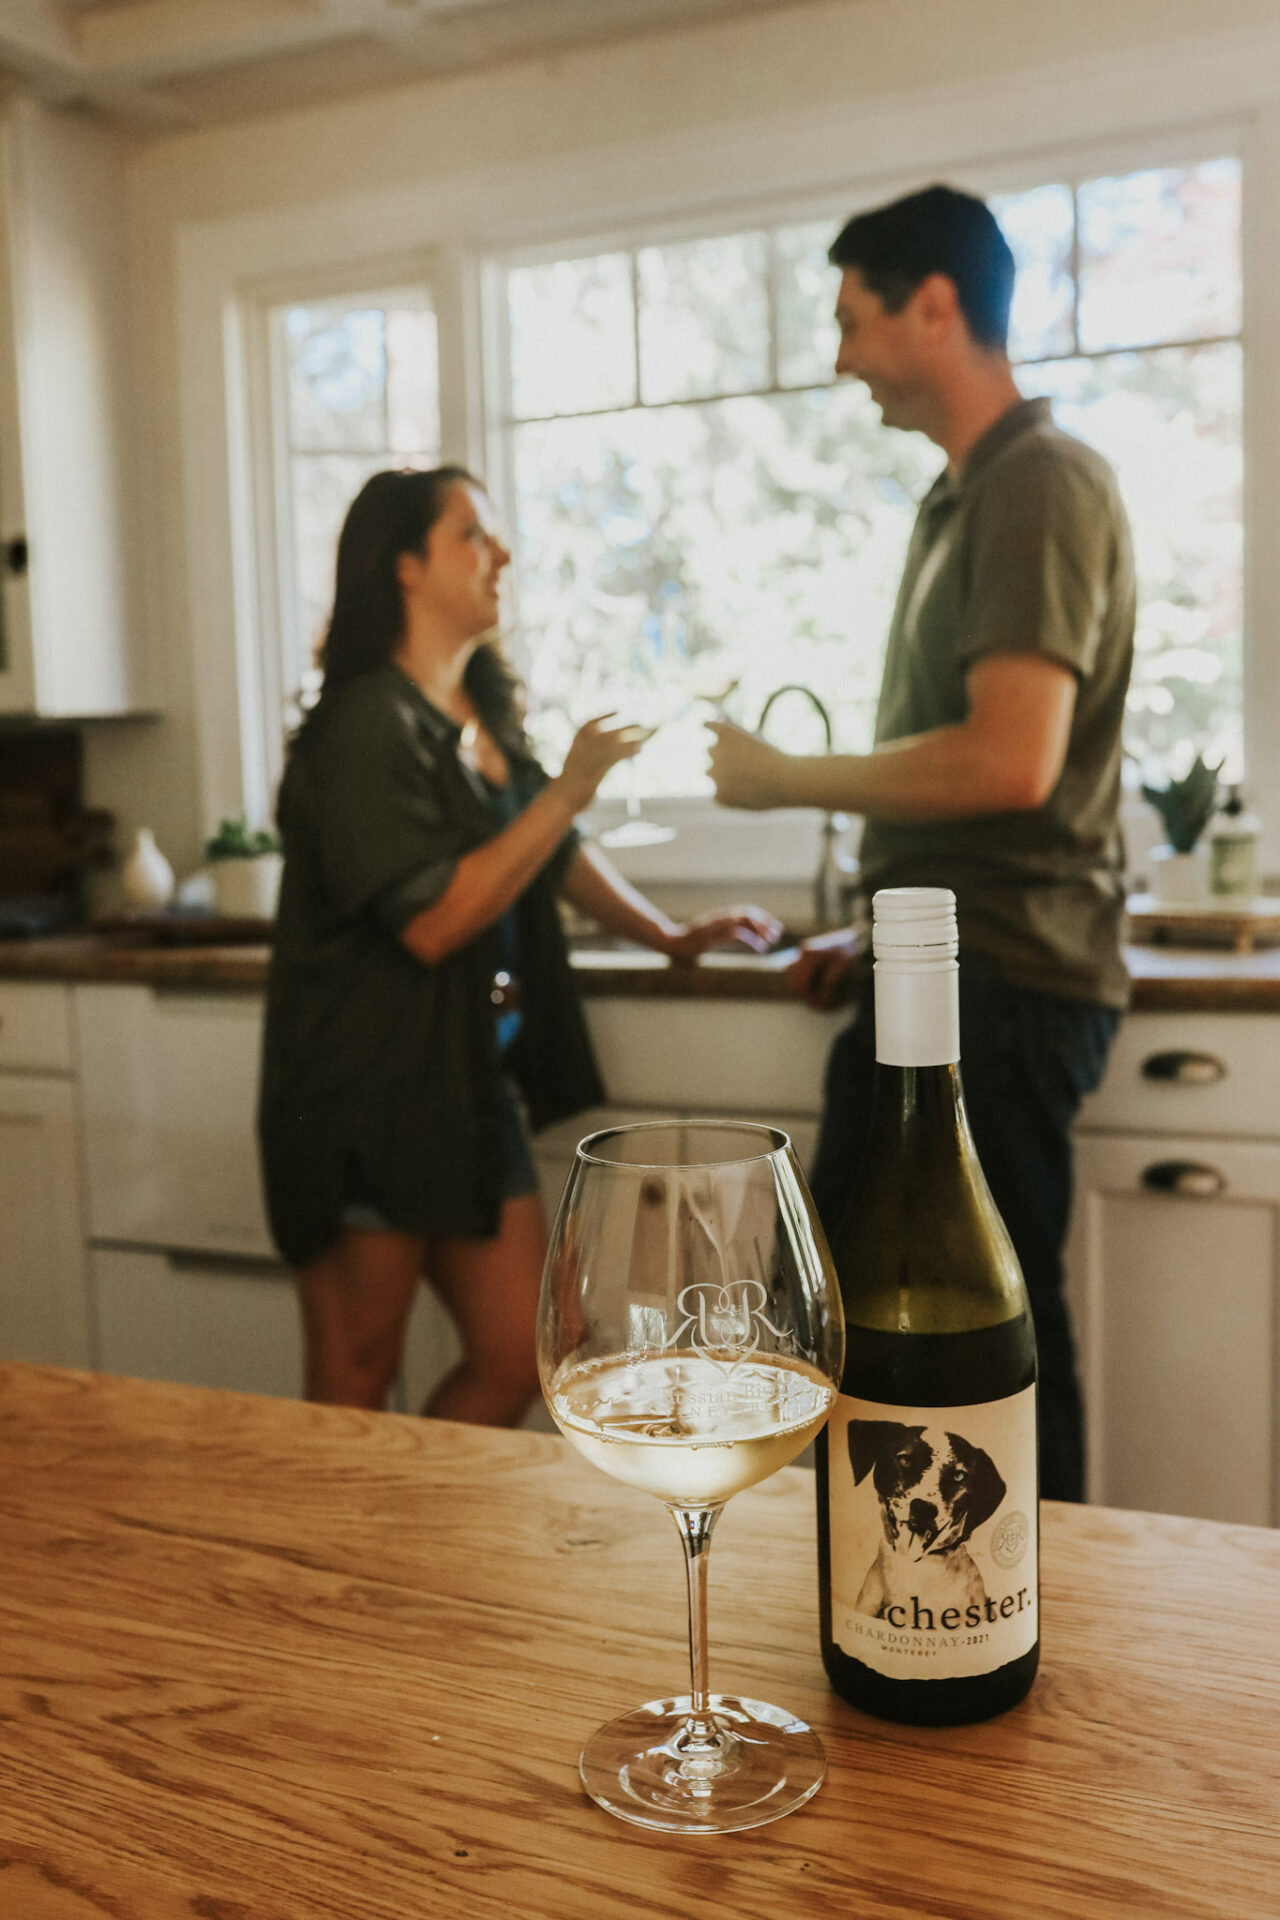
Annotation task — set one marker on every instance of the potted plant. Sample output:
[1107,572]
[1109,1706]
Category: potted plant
[245,865]
[1179,874]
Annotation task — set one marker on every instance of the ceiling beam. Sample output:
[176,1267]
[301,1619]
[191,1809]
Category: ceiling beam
[38,44]
[166,39]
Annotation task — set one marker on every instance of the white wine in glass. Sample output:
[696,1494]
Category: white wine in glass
[690,1342]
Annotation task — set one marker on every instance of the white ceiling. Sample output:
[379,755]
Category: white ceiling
[157,64]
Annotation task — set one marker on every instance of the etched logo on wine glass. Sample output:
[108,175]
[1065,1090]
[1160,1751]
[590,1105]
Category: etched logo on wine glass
[728,1321]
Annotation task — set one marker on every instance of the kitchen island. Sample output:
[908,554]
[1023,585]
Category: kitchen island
[283,1662]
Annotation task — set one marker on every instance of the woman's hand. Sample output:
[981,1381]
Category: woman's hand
[822,974]
[593,752]
[747,771]
[749,927]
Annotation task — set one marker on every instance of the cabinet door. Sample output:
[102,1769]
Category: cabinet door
[169,1085]
[44,1313]
[66,527]
[1173,1265]
[202,1321]
[1191,1073]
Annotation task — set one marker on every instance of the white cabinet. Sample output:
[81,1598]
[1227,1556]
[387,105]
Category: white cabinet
[757,1058]
[67,539]
[170,1083]
[186,1281]
[205,1321]
[44,1304]
[1174,1268]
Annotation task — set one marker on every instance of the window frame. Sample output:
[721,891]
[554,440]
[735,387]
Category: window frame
[981,132]
[276,609]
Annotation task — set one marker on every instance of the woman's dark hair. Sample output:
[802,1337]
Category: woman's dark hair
[937,230]
[393,513]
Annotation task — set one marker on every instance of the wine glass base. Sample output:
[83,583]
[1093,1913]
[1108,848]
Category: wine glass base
[636,833]
[771,1764]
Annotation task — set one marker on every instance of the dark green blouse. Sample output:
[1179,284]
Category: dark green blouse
[380,1075]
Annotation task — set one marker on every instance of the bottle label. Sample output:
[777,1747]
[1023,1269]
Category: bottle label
[1233,866]
[934,1535]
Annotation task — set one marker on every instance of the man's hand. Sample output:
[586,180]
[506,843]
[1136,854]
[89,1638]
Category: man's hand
[747,771]
[824,972]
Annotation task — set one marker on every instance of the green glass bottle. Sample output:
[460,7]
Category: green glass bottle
[927,1481]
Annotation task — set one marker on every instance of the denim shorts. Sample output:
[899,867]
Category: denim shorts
[518,1175]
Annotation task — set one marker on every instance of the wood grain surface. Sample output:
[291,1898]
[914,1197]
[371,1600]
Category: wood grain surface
[267,1661]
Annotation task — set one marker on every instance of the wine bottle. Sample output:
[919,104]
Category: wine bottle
[927,1482]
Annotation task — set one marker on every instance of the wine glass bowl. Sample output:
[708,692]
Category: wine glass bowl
[690,1343]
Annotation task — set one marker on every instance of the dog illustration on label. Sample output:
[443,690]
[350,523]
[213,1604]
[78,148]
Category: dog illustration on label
[934,1489]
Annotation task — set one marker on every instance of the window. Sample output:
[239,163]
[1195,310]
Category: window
[1128,315]
[702,514]
[355,388]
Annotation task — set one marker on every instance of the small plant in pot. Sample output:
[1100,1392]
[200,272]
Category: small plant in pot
[245,865]
[1179,873]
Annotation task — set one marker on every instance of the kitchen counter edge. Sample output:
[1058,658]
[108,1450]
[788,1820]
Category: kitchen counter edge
[1165,979]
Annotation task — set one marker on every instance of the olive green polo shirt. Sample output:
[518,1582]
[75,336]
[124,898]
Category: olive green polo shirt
[1027,550]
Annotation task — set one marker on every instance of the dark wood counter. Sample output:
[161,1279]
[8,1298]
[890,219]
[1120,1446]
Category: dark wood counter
[1165,979]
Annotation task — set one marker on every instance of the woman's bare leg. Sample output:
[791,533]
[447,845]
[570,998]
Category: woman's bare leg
[490,1288]
[355,1302]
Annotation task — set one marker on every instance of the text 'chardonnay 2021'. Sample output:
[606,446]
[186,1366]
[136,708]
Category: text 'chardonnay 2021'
[928,1526]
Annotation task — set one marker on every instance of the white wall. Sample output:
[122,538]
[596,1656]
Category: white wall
[895,90]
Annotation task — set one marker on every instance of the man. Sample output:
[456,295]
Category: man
[996,764]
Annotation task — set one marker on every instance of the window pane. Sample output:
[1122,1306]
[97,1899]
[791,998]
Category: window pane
[756,539]
[1038,226]
[704,318]
[807,287]
[572,336]
[1160,256]
[413,382]
[1169,422]
[337,373]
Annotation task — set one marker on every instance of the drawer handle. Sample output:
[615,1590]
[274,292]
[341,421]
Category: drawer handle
[1191,1178]
[1184,1069]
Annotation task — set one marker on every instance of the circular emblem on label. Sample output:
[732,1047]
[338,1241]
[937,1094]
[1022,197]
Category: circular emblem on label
[1009,1541]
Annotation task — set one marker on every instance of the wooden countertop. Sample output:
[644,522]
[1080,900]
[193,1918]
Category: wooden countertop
[1168,979]
[280,1662]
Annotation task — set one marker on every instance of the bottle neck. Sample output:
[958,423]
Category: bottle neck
[918,1013]
[918,1095]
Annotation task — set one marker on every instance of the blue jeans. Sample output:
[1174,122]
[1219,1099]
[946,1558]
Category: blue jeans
[1028,1060]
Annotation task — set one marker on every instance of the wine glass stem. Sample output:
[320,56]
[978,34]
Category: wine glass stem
[695,1526]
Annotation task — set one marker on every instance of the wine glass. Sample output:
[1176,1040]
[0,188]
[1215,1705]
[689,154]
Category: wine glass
[649,710]
[690,1342]
[635,830]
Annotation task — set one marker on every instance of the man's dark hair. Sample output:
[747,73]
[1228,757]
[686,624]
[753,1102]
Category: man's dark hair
[937,230]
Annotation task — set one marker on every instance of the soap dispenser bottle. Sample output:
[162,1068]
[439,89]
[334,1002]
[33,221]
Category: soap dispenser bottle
[1233,851]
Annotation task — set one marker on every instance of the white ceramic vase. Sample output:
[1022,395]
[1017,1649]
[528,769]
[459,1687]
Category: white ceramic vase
[146,878]
[246,889]
[1179,879]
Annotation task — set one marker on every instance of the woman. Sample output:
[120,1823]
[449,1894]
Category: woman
[419,964]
